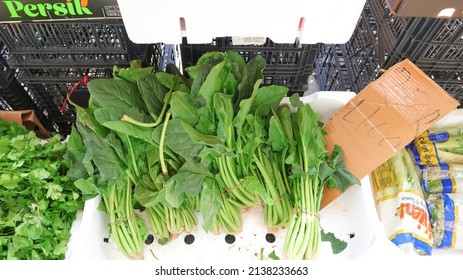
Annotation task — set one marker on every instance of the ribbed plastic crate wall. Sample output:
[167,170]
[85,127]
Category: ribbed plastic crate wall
[331,70]
[287,64]
[382,39]
[50,57]
[73,37]
[13,95]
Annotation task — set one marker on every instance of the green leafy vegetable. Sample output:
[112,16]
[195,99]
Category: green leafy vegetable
[38,202]
[337,245]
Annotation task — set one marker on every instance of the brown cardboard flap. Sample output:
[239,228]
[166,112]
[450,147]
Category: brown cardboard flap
[386,116]
[430,8]
[26,118]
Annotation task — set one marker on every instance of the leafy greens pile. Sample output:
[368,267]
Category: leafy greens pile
[38,204]
[216,142]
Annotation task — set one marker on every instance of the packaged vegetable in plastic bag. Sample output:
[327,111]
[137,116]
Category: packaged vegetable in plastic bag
[442,178]
[439,146]
[401,205]
[447,228]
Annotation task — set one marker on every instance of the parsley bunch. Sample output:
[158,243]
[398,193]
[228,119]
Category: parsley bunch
[37,203]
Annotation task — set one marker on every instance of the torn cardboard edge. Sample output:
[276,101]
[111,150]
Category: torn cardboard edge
[420,8]
[28,119]
[384,117]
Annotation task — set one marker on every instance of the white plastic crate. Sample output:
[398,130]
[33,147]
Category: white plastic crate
[327,21]
[351,217]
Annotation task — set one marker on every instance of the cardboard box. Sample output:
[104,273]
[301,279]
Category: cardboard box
[26,118]
[384,117]
[431,8]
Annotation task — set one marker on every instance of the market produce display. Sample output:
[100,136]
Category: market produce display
[214,142]
[38,202]
[401,204]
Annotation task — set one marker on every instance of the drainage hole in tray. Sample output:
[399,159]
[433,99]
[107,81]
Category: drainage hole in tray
[189,239]
[149,239]
[270,237]
[351,235]
[230,239]
[106,240]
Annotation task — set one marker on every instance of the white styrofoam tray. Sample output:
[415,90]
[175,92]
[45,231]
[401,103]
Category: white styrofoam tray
[351,217]
[327,21]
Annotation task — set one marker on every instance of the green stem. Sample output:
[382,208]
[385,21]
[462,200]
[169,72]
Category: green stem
[133,225]
[121,219]
[167,98]
[132,155]
[161,144]
[158,223]
[128,119]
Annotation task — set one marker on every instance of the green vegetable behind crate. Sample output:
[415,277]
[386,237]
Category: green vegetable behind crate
[38,203]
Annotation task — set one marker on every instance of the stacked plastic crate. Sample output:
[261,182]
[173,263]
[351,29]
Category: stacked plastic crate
[51,57]
[13,96]
[382,39]
[287,64]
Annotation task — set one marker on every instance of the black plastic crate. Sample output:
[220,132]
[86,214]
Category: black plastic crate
[59,37]
[144,53]
[381,40]
[4,105]
[287,64]
[7,75]
[63,75]
[360,53]
[49,104]
[53,60]
[388,27]
[331,70]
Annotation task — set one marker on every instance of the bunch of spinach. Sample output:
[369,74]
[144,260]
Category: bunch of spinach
[38,203]
[117,150]
[312,168]
[228,118]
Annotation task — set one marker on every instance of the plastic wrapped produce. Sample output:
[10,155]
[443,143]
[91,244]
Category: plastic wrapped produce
[401,205]
[447,228]
[439,146]
[442,178]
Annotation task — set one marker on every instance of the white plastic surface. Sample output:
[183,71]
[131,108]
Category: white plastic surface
[326,21]
[351,217]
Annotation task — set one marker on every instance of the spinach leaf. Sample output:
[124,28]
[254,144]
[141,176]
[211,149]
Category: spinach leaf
[112,93]
[268,98]
[152,93]
[337,245]
[177,139]
[111,118]
[183,107]
[208,140]
[200,71]
[102,153]
[210,203]
[252,81]
[78,168]
[187,181]
[341,178]
[133,73]
[150,193]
